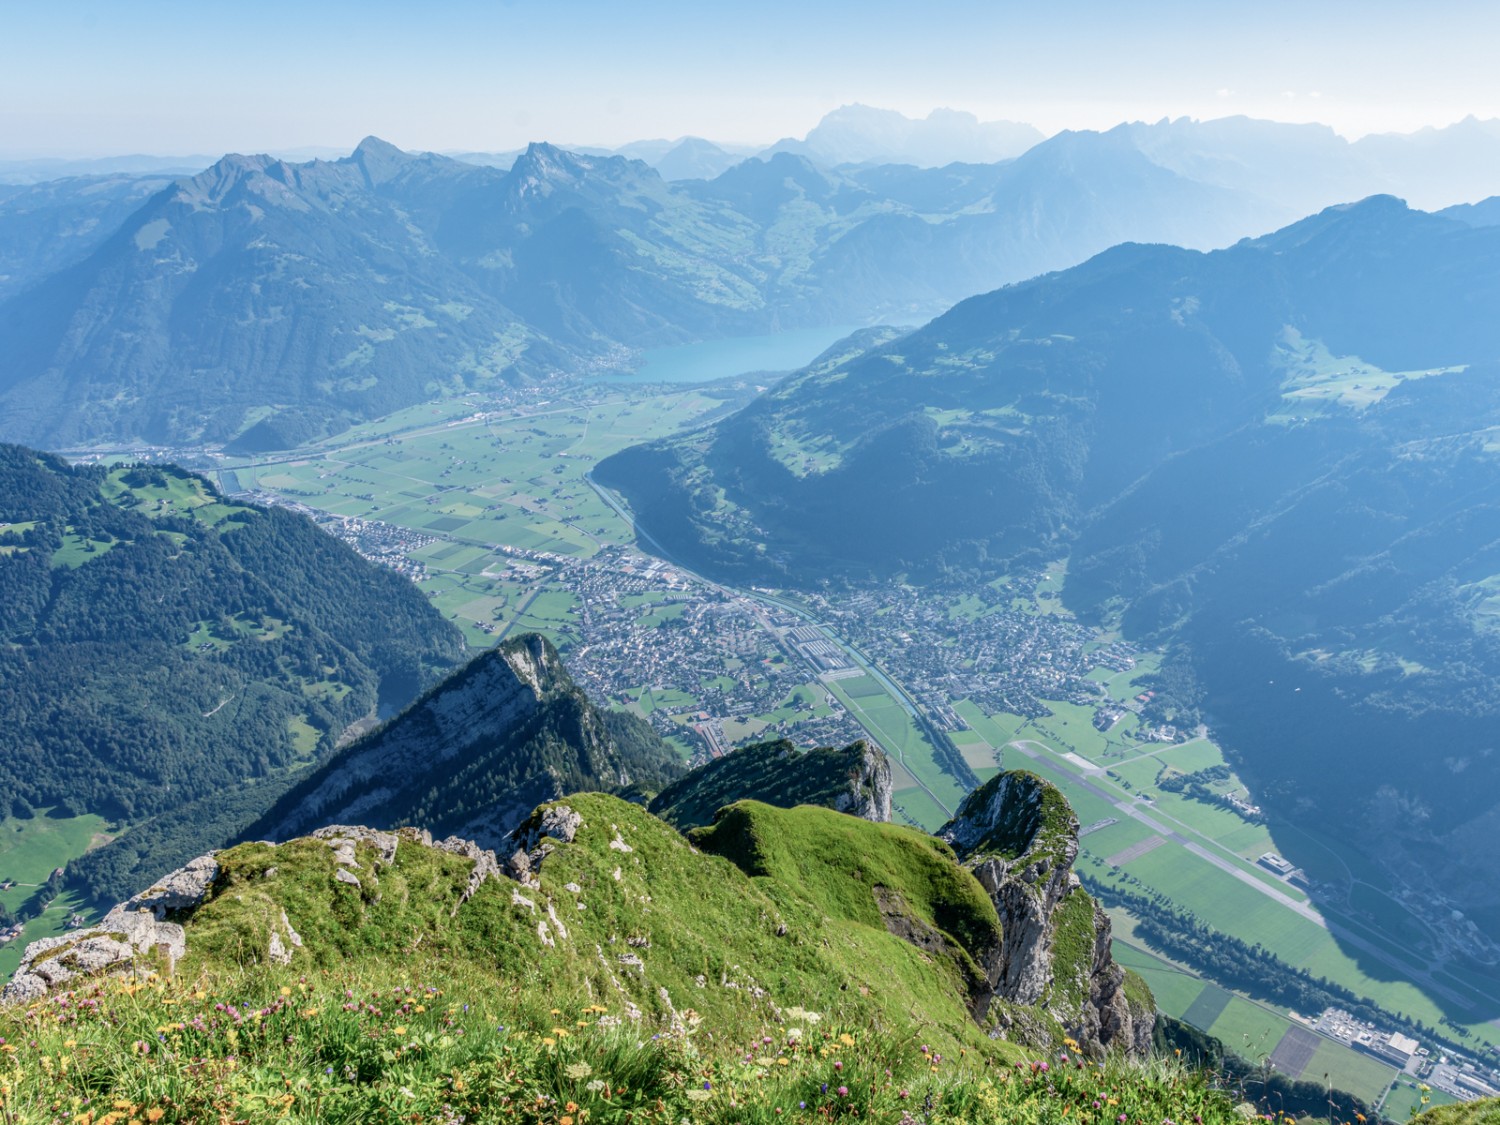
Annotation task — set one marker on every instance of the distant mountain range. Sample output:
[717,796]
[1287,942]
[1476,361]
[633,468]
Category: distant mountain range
[268,303]
[1277,457]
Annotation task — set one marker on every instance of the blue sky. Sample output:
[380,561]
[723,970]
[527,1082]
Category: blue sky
[80,77]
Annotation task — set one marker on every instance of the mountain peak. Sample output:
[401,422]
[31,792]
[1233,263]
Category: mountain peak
[380,160]
[485,742]
[213,184]
[374,146]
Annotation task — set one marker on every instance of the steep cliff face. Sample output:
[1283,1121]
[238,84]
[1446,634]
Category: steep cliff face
[1019,837]
[855,780]
[475,755]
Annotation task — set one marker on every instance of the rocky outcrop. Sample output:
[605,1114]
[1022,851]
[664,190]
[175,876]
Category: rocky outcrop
[1019,837]
[146,933]
[531,842]
[135,930]
[869,792]
[183,889]
[855,779]
[476,754]
[489,698]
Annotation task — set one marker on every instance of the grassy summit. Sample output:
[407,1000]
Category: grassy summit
[787,964]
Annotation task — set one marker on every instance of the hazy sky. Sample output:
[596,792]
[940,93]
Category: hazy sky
[85,77]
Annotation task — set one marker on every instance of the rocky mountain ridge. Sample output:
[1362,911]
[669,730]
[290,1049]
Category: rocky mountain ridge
[477,753]
[583,863]
[855,780]
[267,302]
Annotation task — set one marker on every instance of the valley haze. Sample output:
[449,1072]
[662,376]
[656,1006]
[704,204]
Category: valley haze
[708,564]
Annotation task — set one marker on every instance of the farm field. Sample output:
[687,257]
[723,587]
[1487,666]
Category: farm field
[1350,1070]
[468,481]
[1195,885]
[1250,1029]
[1405,1098]
[868,700]
[30,850]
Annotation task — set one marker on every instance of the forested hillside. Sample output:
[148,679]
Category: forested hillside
[162,644]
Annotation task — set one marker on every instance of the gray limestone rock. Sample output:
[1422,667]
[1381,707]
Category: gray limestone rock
[115,945]
[529,844]
[870,790]
[1019,838]
[342,838]
[486,866]
[183,889]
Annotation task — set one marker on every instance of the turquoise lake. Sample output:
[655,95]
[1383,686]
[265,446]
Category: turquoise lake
[718,359]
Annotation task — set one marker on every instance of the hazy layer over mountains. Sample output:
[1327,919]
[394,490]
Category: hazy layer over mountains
[1278,458]
[271,302]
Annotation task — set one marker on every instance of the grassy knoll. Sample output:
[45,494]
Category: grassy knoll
[433,1044]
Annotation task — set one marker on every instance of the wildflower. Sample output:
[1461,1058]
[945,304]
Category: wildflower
[578,1070]
[285,991]
[398,1030]
[838,1066]
[571,1107]
[843,1091]
[549,1042]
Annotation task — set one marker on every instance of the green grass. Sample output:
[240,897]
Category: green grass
[920,807]
[304,736]
[1248,1029]
[1175,989]
[1405,1099]
[428,1043]
[31,848]
[76,550]
[1349,1070]
[897,733]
